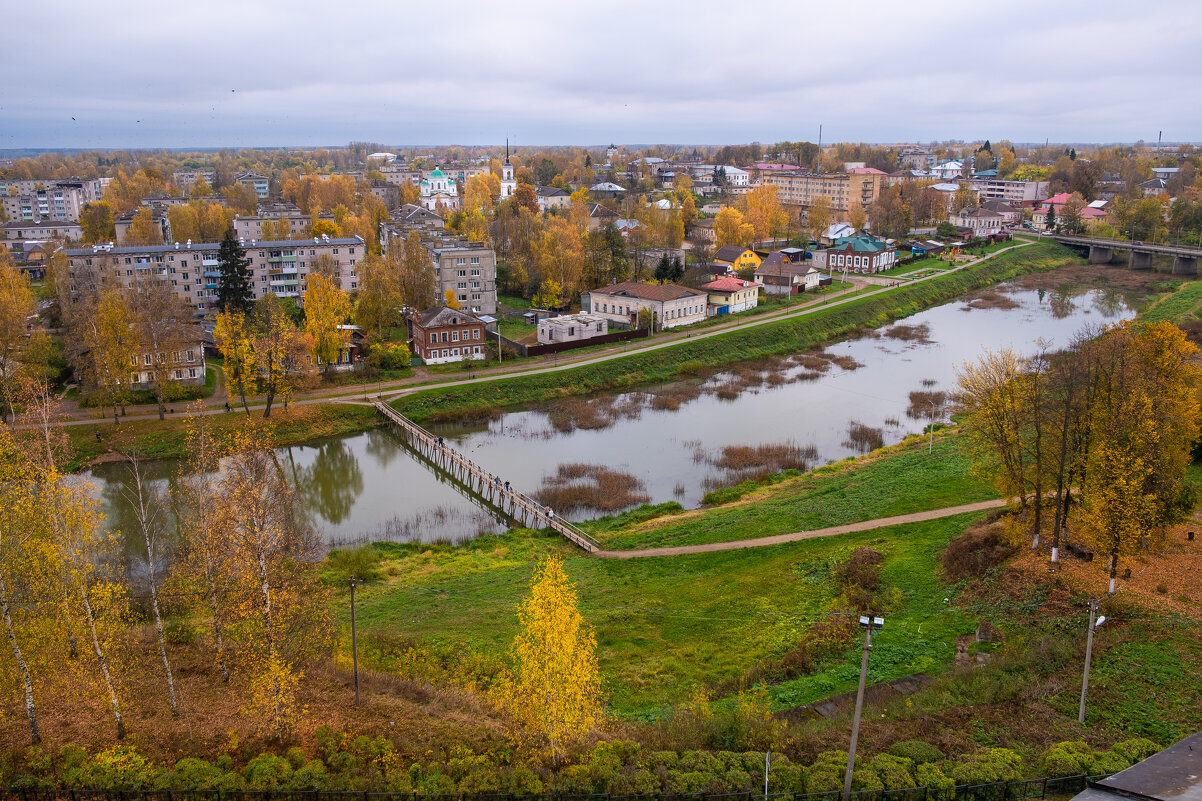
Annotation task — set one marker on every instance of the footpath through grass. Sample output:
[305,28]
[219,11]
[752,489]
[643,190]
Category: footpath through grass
[1180,306]
[896,480]
[785,336]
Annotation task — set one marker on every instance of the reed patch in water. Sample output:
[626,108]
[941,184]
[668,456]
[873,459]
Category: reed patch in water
[863,438]
[584,486]
[920,333]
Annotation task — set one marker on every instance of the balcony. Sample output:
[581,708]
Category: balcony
[209,262]
[280,259]
[212,273]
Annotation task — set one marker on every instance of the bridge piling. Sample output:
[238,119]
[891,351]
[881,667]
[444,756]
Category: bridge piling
[1099,254]
[1141,260]
[1185,265]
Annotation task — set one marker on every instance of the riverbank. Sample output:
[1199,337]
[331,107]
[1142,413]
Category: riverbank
[818,327]
[162,439]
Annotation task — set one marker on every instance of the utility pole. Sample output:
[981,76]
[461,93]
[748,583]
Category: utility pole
[868,623]
[1094,622]
[354,643]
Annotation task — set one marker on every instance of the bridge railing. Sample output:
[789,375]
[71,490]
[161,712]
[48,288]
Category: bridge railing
[529,505]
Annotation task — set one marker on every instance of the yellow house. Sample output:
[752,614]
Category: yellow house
[737,258]
[731,295]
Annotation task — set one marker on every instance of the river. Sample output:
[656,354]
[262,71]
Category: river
[669,439]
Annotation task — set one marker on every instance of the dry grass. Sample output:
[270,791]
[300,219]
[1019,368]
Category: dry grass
[671,397]
[846,362]
[863,438]
[925,404]
[920,333]
[990,299]
[742,462]
[584,486]
[585,414]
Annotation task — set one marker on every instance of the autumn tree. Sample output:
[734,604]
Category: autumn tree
[1143,422]
[560,255]
[147,504]
[143,229]
[418,282]
[989,397]
[234,288]
[765,212]
[326,311]
[857,217]
[731,229]
[232,336]
[17,307]
[379,300]
[279,349]
[165,332]
[97,221]
[280,613]
[1071,221]
[114,348]
[818,215]
[554,695]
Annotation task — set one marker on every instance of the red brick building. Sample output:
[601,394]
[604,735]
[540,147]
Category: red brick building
[442,335]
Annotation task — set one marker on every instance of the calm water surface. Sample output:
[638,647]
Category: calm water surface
[368,486]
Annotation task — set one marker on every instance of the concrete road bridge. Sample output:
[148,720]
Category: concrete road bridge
[1101,251]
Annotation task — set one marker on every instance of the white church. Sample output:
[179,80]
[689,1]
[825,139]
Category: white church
[439,188]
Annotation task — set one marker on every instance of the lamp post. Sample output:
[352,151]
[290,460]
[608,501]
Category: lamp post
[1095,623]
[869,624]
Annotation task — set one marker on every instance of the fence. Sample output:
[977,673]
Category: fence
[998,791]
[558,347]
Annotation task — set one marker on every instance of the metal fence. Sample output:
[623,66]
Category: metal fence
[1061,787]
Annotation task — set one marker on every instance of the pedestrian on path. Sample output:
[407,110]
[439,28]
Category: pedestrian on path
[227,406]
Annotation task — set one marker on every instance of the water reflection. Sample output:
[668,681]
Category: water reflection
[669,437]
[330,484]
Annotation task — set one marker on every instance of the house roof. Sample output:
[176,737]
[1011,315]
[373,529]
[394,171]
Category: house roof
[999,206]
[944,187]
[866,171]
[551,191]
[656,292]
[441,316]
[729,253]
[837,230]
[597,210]
[1174,774]
[864,243]
[769,268]
[606,186]
[729,284]
[979,213]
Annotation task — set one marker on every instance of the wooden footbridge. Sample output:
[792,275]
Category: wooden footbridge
[485,485]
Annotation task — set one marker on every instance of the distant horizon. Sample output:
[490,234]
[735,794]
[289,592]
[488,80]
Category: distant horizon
[31,152]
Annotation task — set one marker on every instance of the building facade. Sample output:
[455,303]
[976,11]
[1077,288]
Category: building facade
[441,335]
[278,267]
[670,304]
[439,190]
[843,191]
[731,295]
[1012,192]
[857,254]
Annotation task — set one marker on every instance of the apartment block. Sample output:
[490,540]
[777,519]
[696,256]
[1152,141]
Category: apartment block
[843,190]
[1012,192]
[184,179]
[279,266]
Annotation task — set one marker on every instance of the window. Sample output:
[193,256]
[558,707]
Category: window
[335,251]
[461,260]
[462,273]
[475,273]
[475,333]
[463,296]
[475,259]
[146,358]
[352,253]
[454,336]
[445,337]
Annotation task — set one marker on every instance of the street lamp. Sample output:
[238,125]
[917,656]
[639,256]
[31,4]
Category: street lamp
[869,624]
[1094,624]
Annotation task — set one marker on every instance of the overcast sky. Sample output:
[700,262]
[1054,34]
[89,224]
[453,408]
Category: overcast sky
[222,73]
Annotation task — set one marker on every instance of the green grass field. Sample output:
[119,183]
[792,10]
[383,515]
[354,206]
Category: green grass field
[1179,306]
[895,481]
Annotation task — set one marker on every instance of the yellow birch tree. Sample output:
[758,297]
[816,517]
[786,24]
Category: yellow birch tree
[326,308]
[555,693]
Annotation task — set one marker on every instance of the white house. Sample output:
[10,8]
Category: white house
[571,328]
[672,305]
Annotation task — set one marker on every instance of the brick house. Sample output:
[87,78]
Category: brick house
[443,334]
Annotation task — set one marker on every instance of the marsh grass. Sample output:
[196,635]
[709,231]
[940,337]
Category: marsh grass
[740,463]
[990,299]
[578,486]
[863,438]
[920,333]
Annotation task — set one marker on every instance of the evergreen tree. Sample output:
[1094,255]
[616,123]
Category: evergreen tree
[234,290]
[1051,223]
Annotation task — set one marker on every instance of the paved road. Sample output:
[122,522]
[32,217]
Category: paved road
[797,536]
[390,391]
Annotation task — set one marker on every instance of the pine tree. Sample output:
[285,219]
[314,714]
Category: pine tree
[234,289]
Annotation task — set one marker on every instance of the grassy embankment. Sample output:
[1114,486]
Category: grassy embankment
[155,439]
[667,626]
[785,336]
[1183,304]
